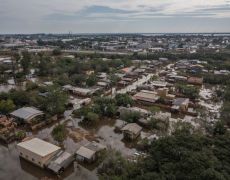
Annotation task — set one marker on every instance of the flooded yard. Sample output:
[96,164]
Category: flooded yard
[6,88]
[13,167]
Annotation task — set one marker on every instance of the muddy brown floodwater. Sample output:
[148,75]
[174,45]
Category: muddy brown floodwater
[14,168]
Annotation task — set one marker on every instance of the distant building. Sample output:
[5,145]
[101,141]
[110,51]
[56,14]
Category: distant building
[146,96]
[180,104]
[123,110]
[80,91]
[127,69]
[163,59]
[195,80]
[159,84]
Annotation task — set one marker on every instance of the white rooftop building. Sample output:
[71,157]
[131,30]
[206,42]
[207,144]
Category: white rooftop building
[37,151]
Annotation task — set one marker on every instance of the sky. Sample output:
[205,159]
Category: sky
[114,16]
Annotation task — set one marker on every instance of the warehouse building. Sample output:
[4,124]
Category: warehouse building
[37,151]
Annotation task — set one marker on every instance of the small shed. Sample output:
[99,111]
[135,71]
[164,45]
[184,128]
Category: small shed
[180,104]
[60,162]
[85,154]
[89,152]
[131,131]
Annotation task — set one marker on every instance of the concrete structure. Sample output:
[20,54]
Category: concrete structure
[131,131]
[163,92]
[37,151]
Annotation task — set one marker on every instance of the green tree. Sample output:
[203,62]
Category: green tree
[25,61]
[131,117]
[57,52]
[114,79]
[105,106]
[54,102]
[123,100]
[6,106]
[59,133]
[91,118]
[190,91]
[91,80]
[219,128]
[78,79]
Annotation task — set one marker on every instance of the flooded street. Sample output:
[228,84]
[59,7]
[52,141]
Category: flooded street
[213,108]
[133,86]
[6,88]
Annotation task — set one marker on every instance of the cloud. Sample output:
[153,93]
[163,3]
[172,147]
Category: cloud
[43,12]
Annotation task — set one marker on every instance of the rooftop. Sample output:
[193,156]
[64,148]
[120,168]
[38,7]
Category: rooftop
[179,101]
[85,152]
[132,127]
[39,147]
[94,146]
[146,96]
[26,113]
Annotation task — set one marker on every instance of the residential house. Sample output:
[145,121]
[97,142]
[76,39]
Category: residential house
[80,91]
[146,96]
[180,104]
[163,93]
[159,84]
[131,131]
[89,152]
[123,110]
[127,69]
[195,80]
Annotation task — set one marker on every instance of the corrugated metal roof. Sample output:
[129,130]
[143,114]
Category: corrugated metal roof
[62,159]
[26,113]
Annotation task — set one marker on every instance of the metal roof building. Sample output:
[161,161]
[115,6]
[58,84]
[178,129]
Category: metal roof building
[60,161]
[26,113]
